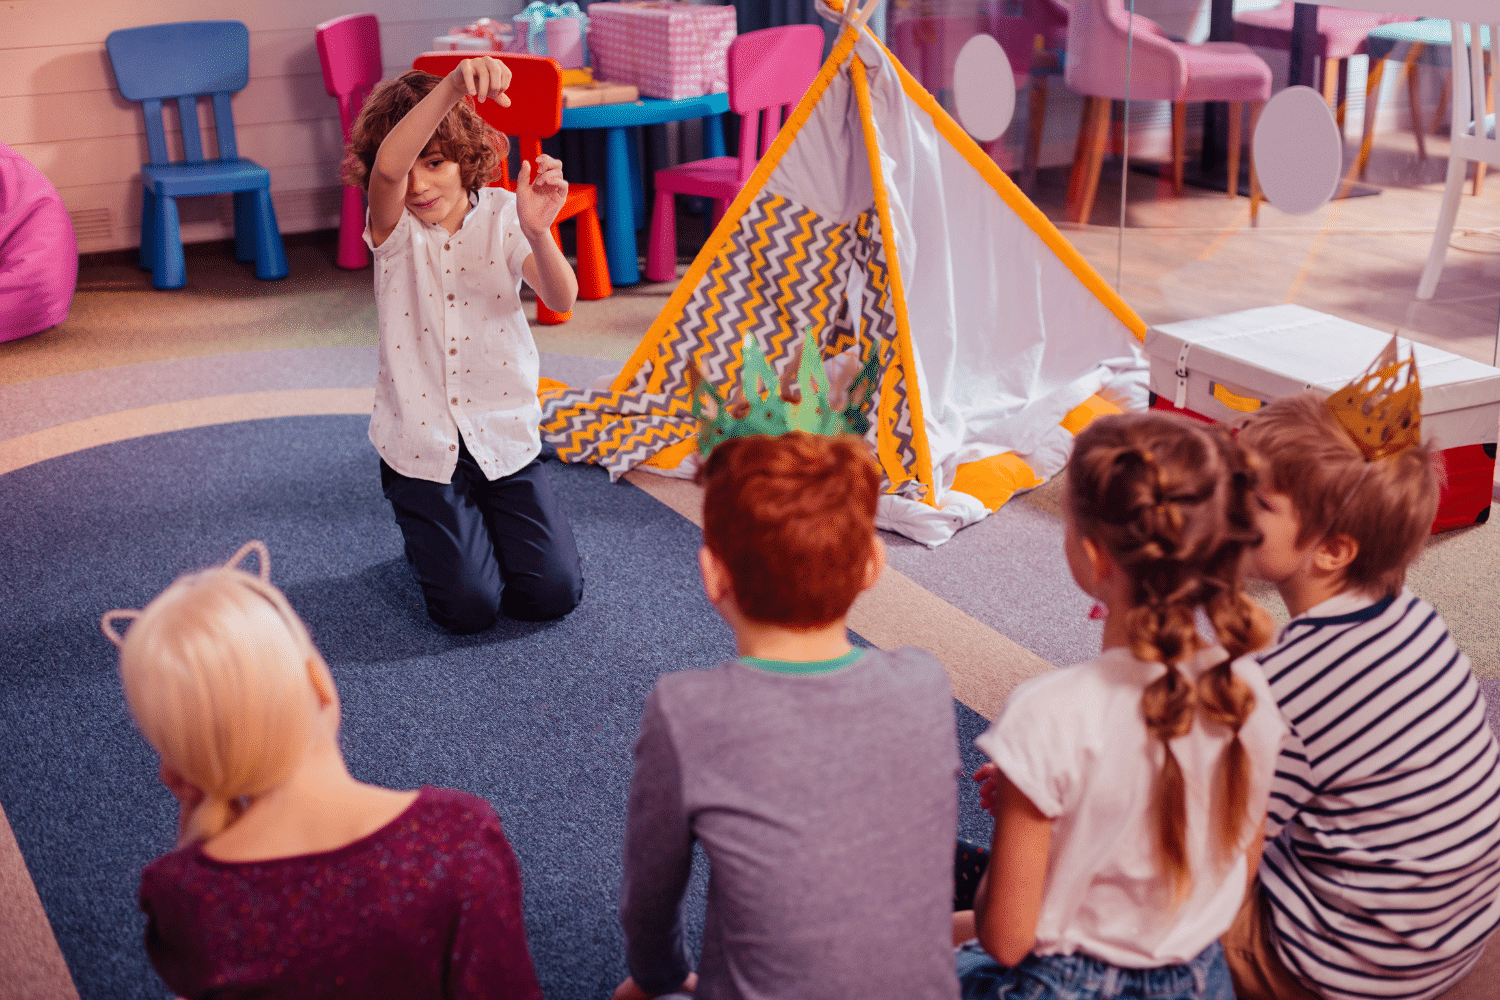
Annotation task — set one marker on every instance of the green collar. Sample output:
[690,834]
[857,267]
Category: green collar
[804,666]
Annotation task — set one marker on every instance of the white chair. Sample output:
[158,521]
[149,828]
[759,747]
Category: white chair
[1473,133]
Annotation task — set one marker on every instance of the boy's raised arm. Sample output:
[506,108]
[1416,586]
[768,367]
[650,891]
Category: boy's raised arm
[479,78]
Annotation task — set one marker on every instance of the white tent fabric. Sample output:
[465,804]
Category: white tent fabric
[1006,334]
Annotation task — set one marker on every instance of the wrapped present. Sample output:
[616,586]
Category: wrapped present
[484,35]
[562,42]
[667,49]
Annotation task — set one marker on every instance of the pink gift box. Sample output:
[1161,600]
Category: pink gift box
[666,49]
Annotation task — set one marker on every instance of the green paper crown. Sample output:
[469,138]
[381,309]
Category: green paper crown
[777,412]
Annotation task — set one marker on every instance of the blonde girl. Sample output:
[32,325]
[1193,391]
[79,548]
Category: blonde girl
[289,874]
[1129,791]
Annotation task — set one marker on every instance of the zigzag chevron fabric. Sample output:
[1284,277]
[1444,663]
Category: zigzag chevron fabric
[784,269]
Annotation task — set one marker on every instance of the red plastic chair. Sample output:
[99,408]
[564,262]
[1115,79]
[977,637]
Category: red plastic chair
[769,71]
[535,113]
[349,49]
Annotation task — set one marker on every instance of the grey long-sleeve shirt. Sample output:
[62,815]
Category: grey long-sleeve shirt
[827,805]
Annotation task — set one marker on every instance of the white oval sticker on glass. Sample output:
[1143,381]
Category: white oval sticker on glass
[984,89]
[1298,152]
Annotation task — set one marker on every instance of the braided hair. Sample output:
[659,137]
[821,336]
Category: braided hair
[1169,500]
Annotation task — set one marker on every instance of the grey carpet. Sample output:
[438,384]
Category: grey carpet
[538,719]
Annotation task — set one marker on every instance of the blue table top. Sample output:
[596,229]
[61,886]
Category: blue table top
[1435,33]
[646,111]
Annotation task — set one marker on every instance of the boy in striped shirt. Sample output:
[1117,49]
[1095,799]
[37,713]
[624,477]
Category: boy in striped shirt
[1381,871]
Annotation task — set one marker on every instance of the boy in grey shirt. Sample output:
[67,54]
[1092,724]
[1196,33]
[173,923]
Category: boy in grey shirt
[818,777]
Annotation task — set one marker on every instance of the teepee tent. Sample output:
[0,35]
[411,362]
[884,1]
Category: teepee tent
[876,221]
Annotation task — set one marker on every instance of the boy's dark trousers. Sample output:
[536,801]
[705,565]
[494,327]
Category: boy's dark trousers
[481,548]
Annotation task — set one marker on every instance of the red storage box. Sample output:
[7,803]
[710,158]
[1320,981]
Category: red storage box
[1222,367]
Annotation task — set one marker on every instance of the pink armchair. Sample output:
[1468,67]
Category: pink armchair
[1161,70]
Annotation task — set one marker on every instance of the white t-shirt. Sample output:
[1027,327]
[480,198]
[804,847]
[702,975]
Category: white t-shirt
[456,354]
[1074,742]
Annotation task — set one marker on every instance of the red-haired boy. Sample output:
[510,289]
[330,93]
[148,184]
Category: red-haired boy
[818,777]
[1381,872]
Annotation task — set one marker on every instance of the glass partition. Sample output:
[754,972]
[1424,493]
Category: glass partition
[1141,187]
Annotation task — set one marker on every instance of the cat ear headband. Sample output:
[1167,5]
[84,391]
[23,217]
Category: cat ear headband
[107,621]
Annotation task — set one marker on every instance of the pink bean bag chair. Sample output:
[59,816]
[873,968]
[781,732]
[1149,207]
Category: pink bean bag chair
[38,251]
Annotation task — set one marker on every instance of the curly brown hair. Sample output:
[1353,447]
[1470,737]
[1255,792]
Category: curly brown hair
[463,136]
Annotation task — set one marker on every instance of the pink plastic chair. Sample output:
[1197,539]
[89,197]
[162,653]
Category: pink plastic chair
[349,49]
[1162,70]
[769,70]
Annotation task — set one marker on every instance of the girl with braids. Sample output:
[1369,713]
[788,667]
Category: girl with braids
[1128,792]
[289,875]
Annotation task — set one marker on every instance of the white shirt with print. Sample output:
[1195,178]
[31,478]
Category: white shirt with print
[456,354]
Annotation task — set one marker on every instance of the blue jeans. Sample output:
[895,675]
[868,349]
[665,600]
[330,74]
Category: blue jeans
[1080,977]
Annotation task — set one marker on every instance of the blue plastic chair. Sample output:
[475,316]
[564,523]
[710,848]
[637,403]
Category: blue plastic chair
[185,61]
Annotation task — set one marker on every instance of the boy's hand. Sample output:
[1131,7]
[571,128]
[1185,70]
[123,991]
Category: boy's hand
[483,77]
[540,198]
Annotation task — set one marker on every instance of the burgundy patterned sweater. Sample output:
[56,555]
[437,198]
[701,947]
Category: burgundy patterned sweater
[429,905]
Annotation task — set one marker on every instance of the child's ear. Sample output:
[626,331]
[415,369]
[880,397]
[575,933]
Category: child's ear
[322,682]
[875,565]
[1100,564]
[715,575]
[1335,553]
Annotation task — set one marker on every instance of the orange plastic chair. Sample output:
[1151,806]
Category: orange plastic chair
[535,113]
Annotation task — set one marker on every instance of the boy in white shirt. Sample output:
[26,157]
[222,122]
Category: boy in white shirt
[456,412]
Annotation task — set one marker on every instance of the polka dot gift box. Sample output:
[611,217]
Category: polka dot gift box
[669,50]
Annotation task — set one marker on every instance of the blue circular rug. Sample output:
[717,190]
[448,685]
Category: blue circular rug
[537,718]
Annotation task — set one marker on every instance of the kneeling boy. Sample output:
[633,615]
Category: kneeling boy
[819,778]
[1381,872]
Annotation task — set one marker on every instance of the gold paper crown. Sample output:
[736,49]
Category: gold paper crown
[1381,418]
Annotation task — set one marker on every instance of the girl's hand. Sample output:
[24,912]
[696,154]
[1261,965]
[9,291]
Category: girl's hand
[988,777]
[540,198]
[483,77]
[628,990]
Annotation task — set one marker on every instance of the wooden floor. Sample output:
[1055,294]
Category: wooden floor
[1359,258]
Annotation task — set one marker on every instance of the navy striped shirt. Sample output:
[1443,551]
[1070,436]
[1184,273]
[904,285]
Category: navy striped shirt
[1382,860]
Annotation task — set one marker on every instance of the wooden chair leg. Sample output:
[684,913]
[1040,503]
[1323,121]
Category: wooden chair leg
[1444,95]
[1179,144]
[1255,109]
[1372,104]
[1075,176]
[1036,117]
[1414,98]
[1236,135]
[1096,126]
[1331,83]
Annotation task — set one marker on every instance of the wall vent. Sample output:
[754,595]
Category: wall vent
[296,211]
[92,225]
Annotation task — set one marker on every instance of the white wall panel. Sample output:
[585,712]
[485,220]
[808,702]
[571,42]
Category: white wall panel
[59,107]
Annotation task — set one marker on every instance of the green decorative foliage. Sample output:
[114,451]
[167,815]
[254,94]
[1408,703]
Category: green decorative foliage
[761,406]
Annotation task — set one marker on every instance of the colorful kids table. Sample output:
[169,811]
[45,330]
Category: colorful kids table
[624,208]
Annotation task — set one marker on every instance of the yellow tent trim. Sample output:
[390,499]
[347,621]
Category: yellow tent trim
[673,455]
[898,292]
[731,220]
[1019,203]
[1084,414]
[994,480]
